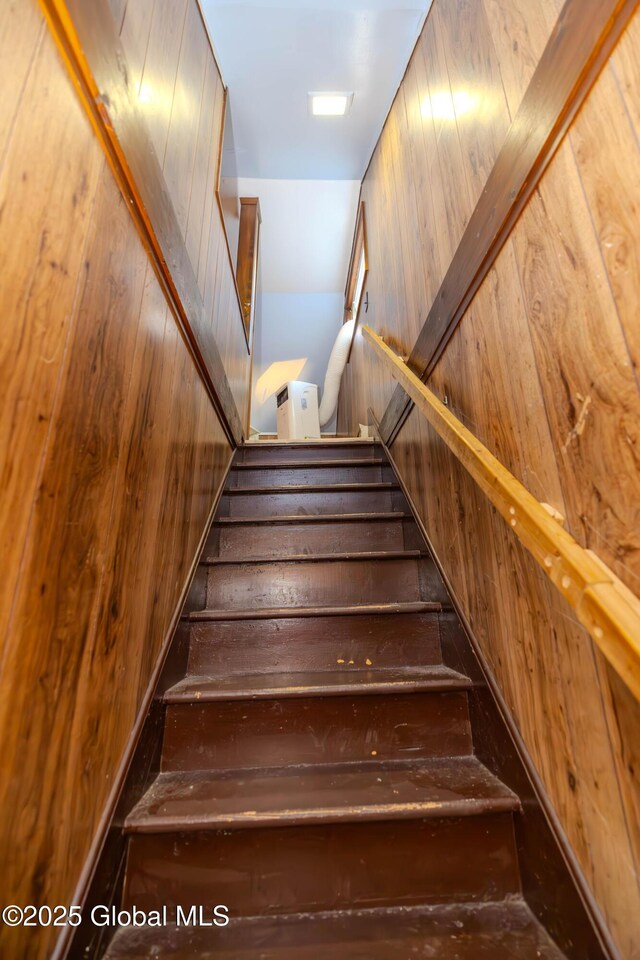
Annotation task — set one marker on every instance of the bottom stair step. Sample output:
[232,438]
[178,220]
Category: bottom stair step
[201,800]
[493,931]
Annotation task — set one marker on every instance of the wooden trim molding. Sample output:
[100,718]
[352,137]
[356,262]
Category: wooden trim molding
[607,609]
[248,251]
[86,35]
[223,123]
[359,245]
[547,860]
[581,42]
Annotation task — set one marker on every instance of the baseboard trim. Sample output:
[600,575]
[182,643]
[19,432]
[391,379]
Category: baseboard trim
[65,943]
[592,911]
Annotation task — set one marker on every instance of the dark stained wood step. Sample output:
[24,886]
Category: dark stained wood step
[307,464]
[252,733]
[277,870]
[322,581]
[317,472]
[351,610]
[302,518]
[291,644]
[314,499]
[483,931]
[200,800]
[244,538]
[347,555]
[341,681]
[267,453]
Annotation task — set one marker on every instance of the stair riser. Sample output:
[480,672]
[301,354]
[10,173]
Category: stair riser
[295,539]
[266,871]
[313,643]
[262,454]
[339,729]
[323,583]
[296,476]
[312,503]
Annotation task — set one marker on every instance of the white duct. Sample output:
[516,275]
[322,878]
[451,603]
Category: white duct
[337,362]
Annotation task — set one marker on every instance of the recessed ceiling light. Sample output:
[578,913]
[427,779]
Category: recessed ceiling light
[330,104]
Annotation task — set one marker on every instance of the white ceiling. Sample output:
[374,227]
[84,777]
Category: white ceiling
[272,54]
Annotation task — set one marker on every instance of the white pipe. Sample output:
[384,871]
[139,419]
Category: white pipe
[337,362]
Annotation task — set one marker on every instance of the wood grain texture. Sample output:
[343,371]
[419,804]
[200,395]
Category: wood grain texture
[543,369]
[602,603]
[113,455]
[150,115]
[577,49]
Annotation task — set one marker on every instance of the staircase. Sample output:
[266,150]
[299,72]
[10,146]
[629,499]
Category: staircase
[318,772]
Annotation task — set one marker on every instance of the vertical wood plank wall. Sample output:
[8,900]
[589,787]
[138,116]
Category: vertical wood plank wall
[181,95]
[544,369]
[111,450]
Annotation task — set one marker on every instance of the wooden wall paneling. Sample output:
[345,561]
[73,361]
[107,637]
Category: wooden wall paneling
[481,112]
[134,27]
[40,271]
[524,444]
[21,31]
[453,184]
[63,567]
[590,392]
[117,8]
[426,174]
[203,183]
[510,615]
[161,67]
[608,158]
[627,70]
[102,65]
[413,305]
[182,140]
[210,203]
[579,45]
[520,30]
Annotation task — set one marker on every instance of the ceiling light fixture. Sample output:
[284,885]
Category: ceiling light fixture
[330,104]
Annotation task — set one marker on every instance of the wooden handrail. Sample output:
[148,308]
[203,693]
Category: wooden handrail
[602,603]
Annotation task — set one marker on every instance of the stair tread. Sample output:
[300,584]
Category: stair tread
[313,488]
[316,683]
[487,931]
[317,557]
[303,464]
[274,613]
[199,800]
[313,518]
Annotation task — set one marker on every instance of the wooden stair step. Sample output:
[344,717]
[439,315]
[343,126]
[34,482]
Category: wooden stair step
[318,499]
[280,869]
[320,580]
[264,454]
[311,488]
[292,644]
[302,518]
[344,556]
[294,464]
[352,727]
[489,931]
[358,680]
[199,800]
[317,472]
[349,610]
[243,538]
